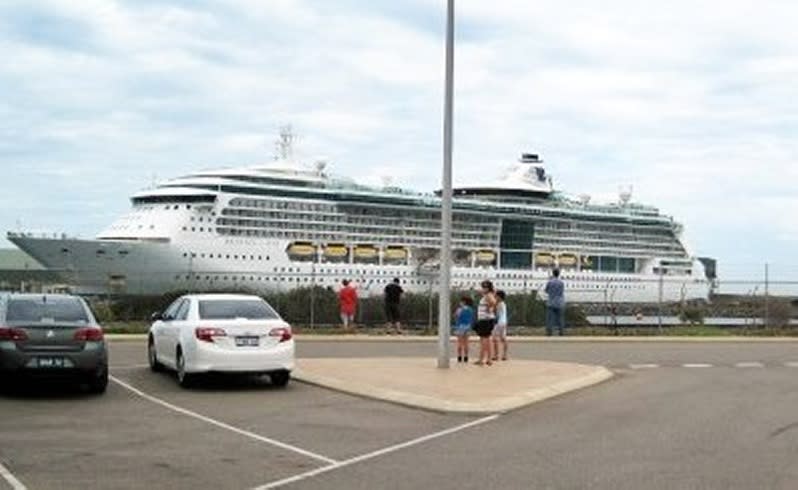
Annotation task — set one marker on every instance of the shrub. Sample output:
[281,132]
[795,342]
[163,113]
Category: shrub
[692,314]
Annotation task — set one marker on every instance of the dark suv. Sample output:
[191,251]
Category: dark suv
[51,335]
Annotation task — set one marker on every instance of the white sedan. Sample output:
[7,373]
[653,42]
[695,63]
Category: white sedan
[228,333]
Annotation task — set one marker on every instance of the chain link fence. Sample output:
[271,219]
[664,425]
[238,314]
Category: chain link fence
[311,301]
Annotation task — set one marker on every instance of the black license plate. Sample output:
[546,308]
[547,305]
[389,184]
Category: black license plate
[50,362]
[247,341]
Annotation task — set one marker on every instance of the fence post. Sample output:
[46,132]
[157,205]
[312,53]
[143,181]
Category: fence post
[767,295]
[312,295]
[429,308]
[659,302]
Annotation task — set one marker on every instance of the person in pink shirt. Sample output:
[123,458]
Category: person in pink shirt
[347,301]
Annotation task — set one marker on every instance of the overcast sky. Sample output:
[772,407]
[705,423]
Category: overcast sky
[690,102]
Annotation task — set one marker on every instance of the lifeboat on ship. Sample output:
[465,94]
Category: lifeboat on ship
[485,257]
[567,260]
[301,251]
[336,252]
[366,253]
[544,259]
[395,254]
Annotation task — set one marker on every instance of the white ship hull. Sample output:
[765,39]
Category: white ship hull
[151,267]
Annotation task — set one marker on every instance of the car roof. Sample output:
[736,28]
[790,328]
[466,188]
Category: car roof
[40,295]
[227,296]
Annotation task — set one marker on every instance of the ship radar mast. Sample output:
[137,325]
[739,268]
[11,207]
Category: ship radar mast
[284,145]
[625,194]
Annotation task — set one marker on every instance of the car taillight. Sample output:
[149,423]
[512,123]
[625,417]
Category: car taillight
[206,334]
[283,332]
[89,334]
[13,334]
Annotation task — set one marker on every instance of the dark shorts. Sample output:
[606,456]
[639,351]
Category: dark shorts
[392,312]
[484,328]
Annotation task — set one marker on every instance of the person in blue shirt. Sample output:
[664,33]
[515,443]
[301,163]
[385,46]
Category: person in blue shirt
[463,320]
[555,304]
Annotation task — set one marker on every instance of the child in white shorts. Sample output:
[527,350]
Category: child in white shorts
[499,334]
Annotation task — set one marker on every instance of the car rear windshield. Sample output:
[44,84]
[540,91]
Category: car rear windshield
[229,309]
[46,310]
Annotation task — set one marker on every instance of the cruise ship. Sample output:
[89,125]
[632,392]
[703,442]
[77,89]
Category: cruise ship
[282,225]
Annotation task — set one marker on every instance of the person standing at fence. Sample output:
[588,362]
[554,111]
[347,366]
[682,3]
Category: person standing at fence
[486,318]
[499,334]
[555,304]
[463,321]
[393,298]
[347,302]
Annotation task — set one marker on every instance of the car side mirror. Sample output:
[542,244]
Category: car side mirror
[156,316]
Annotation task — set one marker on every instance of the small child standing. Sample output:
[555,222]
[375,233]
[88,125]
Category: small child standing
[463,320]
[499,333]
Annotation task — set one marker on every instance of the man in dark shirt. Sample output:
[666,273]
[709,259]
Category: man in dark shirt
[555,304]
[393,296]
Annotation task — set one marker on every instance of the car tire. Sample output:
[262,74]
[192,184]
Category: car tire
[98,382]
[280,378]
[152,357]
[184,379]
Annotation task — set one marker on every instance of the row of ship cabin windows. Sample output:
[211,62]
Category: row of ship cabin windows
[410,237]
[260,203]
[411,282]
[194,255]
[342,218]
[464,231]
[297,279]
[177,206]
[314,207]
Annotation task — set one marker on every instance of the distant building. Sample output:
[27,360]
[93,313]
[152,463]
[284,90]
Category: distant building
[20,272]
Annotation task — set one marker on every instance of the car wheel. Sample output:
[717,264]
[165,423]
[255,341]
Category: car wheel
[280,378]
[98,382]
[152,357]
[186,380]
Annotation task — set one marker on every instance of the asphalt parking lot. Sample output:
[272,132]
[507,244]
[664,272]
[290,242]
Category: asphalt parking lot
[676,416]
[238,433]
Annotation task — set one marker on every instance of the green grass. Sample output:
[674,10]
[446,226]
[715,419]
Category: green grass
[126,327]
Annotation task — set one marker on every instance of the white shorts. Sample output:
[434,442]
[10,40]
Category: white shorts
[500,331]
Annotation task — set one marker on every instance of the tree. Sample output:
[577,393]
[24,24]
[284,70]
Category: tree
[779,314]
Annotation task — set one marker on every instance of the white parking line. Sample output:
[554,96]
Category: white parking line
[374,454]
[749,365]
[222,425]
[697,365]
[11,479]
[643,366]
[791,364]
[132,366]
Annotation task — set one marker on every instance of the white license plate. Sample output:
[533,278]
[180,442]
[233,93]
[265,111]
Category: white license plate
[247,341]
[50,362]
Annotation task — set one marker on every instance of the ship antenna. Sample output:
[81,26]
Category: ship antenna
[284,145]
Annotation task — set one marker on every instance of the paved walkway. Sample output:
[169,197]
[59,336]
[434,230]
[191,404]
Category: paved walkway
[463,388]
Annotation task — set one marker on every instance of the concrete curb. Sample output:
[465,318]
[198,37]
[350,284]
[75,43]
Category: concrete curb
[525,339]
[597,374]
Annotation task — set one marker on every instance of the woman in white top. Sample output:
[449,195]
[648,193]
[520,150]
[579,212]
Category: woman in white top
[486,319]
